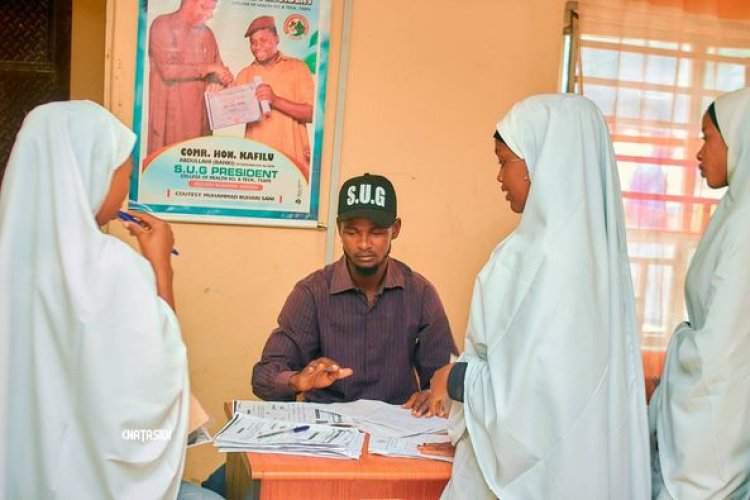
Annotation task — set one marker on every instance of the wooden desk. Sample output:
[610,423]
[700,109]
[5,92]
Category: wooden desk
[289,477]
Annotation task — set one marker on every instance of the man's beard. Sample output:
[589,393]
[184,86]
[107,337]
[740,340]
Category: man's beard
[365,271]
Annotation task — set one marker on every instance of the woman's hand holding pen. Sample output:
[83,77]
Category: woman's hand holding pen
[156,241]
[154,237]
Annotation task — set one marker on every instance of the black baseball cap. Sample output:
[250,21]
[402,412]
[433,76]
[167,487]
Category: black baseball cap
[370,197]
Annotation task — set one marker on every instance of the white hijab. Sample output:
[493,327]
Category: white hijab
[701,409]
[89,349]
[554,400]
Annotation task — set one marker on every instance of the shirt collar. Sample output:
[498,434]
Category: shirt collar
[342,281]
[279,58]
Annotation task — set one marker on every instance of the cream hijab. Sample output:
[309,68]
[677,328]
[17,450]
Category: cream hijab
[554,400]
[90,351]
[701,409]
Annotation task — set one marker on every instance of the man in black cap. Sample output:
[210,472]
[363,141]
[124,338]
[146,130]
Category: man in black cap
[364,327]
[286,85]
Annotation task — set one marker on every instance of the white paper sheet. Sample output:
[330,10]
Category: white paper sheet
[406,447]
[243,433]
[309,413]
[383,419]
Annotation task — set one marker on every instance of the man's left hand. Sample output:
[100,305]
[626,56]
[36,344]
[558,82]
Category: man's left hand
[418,404]
[264,92]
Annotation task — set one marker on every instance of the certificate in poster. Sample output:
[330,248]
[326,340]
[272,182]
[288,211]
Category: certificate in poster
[232,106]
[229,110]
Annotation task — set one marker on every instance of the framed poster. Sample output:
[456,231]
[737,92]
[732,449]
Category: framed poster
[229,104]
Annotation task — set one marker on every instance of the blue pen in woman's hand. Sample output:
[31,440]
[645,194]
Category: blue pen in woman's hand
[129,218]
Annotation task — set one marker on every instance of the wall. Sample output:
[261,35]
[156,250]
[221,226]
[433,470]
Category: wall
[87,50]
[427,82]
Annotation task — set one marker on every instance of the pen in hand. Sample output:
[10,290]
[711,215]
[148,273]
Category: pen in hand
[291,430]
[129,218]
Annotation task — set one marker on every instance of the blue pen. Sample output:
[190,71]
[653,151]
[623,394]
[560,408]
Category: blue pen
[291,430]
[126,216]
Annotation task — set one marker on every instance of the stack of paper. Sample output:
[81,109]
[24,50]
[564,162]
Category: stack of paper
[260,435]
[309,413]
[383,419]
[393,430]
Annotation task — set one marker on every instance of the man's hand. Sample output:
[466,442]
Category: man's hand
[264,92]
[222,73]
[318,374]
[212,88]
[418,403]
[439,391]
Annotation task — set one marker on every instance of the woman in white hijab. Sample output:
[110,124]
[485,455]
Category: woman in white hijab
[551,380]
[95,383]
[700,412]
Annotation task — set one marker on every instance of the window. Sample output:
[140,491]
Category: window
[653,88]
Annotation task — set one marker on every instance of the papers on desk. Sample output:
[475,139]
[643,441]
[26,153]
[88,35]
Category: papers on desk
[308,413]
[383,419]
[406,447]
[260,435]
[393,430]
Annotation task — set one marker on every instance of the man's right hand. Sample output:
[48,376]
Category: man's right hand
[222,73]
[318,374]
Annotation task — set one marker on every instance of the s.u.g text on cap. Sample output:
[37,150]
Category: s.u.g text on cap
[363,196]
